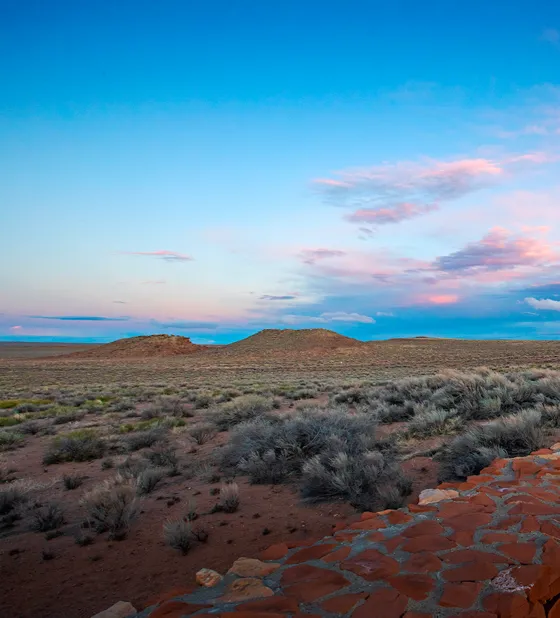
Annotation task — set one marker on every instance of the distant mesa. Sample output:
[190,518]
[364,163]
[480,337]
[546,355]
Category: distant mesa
[292,340]
[142,347]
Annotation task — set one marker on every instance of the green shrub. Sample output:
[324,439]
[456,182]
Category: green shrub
[241,409]
[10,439]
[81,445]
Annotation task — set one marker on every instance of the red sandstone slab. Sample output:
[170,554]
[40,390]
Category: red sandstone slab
[371,565]
[343,603]
[462,595]
[428,543]
[414,586]
[385,602]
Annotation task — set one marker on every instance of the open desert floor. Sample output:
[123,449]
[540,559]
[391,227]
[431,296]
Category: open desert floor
[123,477]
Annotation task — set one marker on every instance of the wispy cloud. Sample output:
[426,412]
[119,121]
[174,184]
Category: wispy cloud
[185,324]
[551,35]
[16,328]
[168,256]
[392,193]
[311,256]
[543,303]
[273,297]
[153,282]
[385,314]
[390,214]
[120,302]
[80,318]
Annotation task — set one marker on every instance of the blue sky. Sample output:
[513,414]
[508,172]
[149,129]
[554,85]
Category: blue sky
[213,168]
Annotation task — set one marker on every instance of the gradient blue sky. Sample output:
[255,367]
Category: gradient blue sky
[214,167]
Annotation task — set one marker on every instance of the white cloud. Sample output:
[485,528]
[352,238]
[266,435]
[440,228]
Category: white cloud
[330,316]
[386,314]
[543,303]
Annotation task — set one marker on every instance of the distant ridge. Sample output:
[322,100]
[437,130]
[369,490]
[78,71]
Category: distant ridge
[293,340]
[142,347]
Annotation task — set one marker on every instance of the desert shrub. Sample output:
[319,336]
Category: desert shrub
[131,467]
[47,518]
[68,417]
[144,439]
[10,498]
[312,445]
[202,433]
[173,405]
[203,400]
[177,533]
[302,393]
[10,421]
[111,506]
[26,407]
[429,421]
[350,396]
[368,480]
[81,445]
[239,410]
[229,498]
[84,539]
[72,481]
[10,439]
[107,464]
[478,395]
[163,457]
[123,405]
[512,436]
[29,427]
[148,479]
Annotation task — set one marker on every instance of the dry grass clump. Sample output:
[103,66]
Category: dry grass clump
[333,455]
[148,479]
[80,445]
[229,498]
[239,410]
[10,439]
[111,507]
[72,481]
[512,436]
[178,534]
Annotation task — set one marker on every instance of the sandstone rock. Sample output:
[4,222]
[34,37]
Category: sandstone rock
[431,496]
[208,578]
[555,447]
[552,456]
[122,609]
[251,567]
[245,589]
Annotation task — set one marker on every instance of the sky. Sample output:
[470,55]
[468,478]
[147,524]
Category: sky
[210,168]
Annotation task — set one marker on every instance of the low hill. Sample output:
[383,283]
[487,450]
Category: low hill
[291,340]
[142,347]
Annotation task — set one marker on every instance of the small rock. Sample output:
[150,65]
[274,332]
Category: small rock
[122,609]
[430,496]
[251,567]
[208,578]
[245,589]
[266,531]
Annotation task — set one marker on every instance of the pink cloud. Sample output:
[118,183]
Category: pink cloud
[168,256]
[443,299]
[390,214]
[498,250]
[16,327]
